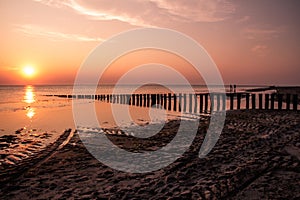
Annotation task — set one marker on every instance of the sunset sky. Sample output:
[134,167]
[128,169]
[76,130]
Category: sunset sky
[251,41]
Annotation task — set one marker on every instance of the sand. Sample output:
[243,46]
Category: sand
[256,157]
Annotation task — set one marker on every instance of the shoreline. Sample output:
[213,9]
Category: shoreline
[255,148]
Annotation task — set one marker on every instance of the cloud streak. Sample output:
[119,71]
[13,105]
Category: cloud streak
[259,33]
[149,13]
[36,31]
[260,49]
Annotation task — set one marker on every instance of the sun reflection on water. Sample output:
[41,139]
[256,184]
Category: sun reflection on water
[29,98]
[29,95]
[30,113]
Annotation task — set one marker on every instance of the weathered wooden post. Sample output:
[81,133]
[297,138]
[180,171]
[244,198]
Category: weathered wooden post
[190,102]
[223,101]
[196,103]
[124,99]
[129,99]
[272,101]
[157,100]
[144,100]
[118,98]
[179,102]
[253,98]
[279,101]
[238,97]
[212,102]
[137,96]
[266,101]
[201,103]
[295,101]
[184,102]
[206,103]
[231,100]
[148,100]
[153,99]
[141,100]
[218,102]
[169,101]
[165,101]
[260,101]
[247,101]
[174,102]
[133,99]
[288,101]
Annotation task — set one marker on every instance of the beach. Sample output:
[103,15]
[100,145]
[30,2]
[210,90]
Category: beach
[256,157]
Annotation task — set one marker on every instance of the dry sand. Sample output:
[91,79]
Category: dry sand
[256,157]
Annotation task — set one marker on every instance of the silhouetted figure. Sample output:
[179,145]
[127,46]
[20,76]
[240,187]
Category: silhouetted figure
[230,88]
[234,88]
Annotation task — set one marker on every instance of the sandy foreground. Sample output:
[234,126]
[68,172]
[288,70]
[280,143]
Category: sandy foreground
[256,157]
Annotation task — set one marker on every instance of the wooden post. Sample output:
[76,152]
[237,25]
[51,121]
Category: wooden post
[144,98]
[247,101]
[190,102]
[201,103]
[212,102]
[175,102]
[279,101]
[169,102]
[260,101]
[179,102]
[157,99]
[288,101]
[196,103]
[133,99]
[141,100]
[238,100]
[223,101]
[118,98]
[184,102]
[218,102]
[107,97]
[206,103]
[272,101]
[137,99]
[231,100]
[266,101]
[253,98]
[148,100]
[165,101]
[295,101]
[153,99]
[129,99]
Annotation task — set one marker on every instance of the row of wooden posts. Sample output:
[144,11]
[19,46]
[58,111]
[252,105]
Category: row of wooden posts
[200,103]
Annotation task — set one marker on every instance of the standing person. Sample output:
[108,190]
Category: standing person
[234,88]
[230,88]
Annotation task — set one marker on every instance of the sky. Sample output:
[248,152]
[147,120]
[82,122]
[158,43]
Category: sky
[251,41]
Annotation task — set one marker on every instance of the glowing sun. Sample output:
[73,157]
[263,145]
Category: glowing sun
[28,71]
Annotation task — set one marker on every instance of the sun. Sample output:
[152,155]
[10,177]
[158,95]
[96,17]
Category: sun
[28,71]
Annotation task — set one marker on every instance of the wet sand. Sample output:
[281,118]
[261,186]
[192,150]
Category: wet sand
[256,157]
